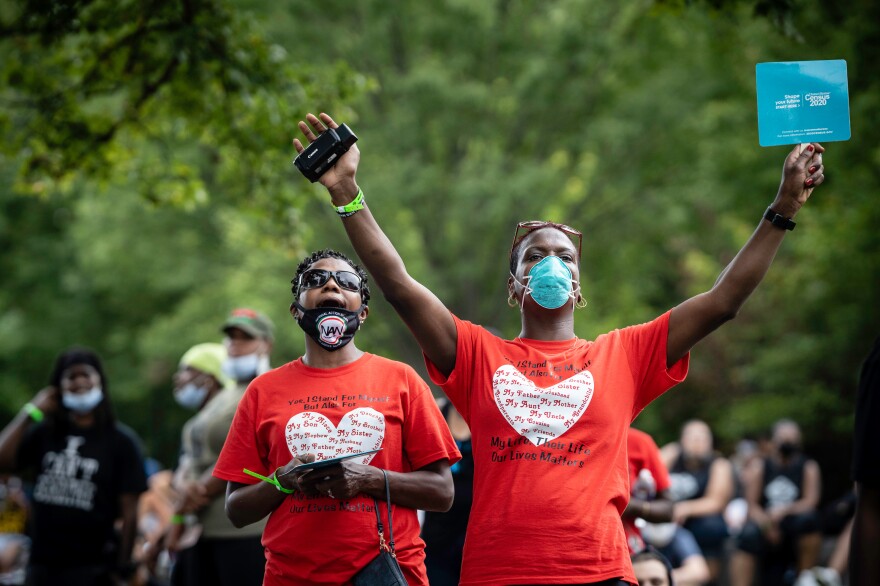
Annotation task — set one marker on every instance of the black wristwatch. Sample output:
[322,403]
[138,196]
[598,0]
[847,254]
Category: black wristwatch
[778,220]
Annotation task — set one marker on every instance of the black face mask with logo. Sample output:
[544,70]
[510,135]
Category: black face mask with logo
[331,327]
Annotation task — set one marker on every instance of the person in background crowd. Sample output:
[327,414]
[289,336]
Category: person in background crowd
[444,533]
[88,473]
[652,568]
[783,492]
[248,341]
[648,516]
[336,400]
[649,487]
[702,486]
[14,544]
[864,561]
[677,544]
[223,554]
[155,511]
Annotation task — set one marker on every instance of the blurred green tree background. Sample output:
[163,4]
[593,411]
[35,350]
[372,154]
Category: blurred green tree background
[147,187]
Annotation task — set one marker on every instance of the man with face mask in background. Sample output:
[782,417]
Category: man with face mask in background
[207,547]
[248,341]
[783,492]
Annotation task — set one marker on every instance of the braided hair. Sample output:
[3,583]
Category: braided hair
[308,261]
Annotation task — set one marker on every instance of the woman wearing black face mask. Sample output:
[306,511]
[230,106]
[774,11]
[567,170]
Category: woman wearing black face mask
[335,400]
[88,472]
[783,491]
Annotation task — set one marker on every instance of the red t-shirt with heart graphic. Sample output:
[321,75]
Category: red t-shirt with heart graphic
[292,410]
[549,425]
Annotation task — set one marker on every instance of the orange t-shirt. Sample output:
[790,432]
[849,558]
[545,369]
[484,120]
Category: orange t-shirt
[549,423]
[371,403]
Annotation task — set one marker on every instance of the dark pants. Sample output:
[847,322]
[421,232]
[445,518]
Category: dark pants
[710,532]
[221,562]
[97,575]
[776,561]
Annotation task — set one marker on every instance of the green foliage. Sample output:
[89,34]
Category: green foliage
[148,187]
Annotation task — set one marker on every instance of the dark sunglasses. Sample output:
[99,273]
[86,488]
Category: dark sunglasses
[523,229]
[313,278]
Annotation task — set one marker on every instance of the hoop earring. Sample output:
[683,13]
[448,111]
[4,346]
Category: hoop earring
[581,303]
[511,302]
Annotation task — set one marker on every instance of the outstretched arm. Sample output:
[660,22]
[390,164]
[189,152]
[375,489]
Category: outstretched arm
[421,310]
[699,316]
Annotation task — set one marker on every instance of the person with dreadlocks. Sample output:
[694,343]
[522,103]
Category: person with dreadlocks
[549,411]
[334,400]
[88,473]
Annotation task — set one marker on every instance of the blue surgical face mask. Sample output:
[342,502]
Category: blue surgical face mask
[190,396]
[247,367]
[82,402]
[550,284]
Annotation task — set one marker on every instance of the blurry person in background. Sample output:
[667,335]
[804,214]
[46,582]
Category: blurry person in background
[14,544]
[652,568]
[648,518]
[702,484]
[248,341]
[443,533]
[783,492]
[222,554]
[649,499]
[88,472]
[155,510]
[864,560]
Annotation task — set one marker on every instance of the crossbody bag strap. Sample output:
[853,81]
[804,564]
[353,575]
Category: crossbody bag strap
[389,547]
[388,503]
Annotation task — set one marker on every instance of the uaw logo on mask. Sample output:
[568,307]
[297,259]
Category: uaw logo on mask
[331,329]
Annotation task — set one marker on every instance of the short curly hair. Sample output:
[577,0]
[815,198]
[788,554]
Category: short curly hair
[308,261]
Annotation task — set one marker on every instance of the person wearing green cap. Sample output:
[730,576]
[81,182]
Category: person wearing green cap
[222,553]
[249,336]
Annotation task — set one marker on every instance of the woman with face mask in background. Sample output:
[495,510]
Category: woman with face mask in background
[88,473]
[335,400]
[549,411]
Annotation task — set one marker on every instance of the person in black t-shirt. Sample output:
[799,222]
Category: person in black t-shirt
[702,484]
[783,492]
[88,472]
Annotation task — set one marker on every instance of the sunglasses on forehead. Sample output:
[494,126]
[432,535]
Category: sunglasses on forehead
[523,229]
[313,278]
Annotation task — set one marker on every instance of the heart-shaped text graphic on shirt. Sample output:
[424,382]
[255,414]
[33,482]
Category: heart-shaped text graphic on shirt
[359,430]
[540,414]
